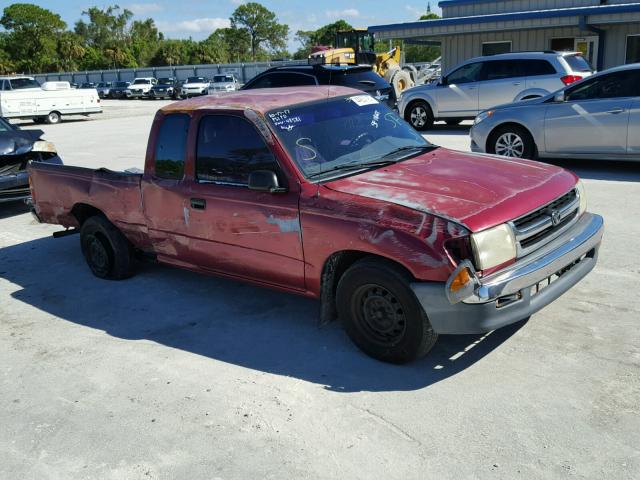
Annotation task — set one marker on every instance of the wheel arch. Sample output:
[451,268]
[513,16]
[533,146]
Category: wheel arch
[334,268]
[491,137]
[83,211]
[530,94]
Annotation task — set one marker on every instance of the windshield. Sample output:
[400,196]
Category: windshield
[344,133]
[18,83]
[165,81]
[141,81]
[222,78]
[196,80]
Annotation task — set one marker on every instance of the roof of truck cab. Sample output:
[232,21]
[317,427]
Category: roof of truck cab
[261,99]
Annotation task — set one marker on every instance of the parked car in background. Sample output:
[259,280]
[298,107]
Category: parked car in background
[165,88]
[194,87]
[119,89]
[140,87]
[360,77]
[484,82]
[17,149]
[327,193]
[88,85]
[224,83]
[24,97]
[103,89]
[597,118]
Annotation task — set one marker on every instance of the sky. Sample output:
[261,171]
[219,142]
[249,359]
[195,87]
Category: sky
[198,18]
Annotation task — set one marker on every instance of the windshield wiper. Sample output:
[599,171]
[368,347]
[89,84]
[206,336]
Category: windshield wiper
[408,148]
[354,166]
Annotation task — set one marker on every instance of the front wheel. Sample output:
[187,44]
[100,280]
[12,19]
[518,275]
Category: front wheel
[106,250]
[419,115]
[512,141]
[381,314]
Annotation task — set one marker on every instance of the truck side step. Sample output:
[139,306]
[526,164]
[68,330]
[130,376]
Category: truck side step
[65,233]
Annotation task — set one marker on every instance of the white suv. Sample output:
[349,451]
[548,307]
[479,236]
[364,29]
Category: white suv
[484,82]
[140,87]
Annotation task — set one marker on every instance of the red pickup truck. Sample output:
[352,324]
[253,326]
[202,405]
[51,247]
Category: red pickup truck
[325,192]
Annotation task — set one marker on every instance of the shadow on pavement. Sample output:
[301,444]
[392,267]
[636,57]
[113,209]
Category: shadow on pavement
[10,209]
[221,319]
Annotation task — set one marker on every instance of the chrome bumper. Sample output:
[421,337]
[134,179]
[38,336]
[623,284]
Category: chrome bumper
[521,289]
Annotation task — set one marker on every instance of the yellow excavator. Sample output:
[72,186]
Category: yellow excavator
[356,47]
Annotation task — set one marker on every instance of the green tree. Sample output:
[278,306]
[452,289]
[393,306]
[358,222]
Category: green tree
[211,50]
[105,27]
[144,39]
[262,27]
[70,52]
[173,52]
[31,38]
[324,36]
[237,42]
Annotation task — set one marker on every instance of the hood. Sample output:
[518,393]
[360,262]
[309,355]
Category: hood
[476,190]
[222,84]
[18,142]
[199,84]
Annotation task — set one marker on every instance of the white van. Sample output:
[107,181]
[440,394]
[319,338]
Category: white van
[24,97]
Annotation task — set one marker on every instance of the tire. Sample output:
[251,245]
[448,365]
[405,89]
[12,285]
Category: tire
[401,80]
[39,120]
[512,141]
[381,314]
[453,123]
[53,118]
[106,250]
[419,115]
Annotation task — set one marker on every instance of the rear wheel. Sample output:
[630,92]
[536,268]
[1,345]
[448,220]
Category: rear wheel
[512,141]
[106,250]
[53,117]
[381,314]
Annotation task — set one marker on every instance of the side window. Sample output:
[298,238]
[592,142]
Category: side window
[262,82]
[466,74]
[292,80]
[615,85]
[538,67]
[171,146]
[229,148]
[500,69]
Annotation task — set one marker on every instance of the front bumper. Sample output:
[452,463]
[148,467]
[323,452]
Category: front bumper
[479,134]
[520,290]
[14,187]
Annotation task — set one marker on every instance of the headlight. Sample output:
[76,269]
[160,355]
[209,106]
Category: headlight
[483,116]
[493,247]
[582,197]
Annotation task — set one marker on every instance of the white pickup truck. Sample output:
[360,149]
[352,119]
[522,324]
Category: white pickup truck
[24,97]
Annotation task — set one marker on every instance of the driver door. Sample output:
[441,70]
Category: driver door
[458,96]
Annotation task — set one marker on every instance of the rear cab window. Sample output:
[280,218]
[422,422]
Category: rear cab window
[171,146]
[282,79]
[357,79]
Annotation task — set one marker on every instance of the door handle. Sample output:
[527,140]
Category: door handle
[198,203]
[517,83]
[471,88]
[616,110]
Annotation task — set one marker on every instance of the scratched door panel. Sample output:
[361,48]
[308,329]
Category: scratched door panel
[247,233]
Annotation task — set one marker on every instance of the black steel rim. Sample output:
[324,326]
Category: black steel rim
[380,315]
[98,254]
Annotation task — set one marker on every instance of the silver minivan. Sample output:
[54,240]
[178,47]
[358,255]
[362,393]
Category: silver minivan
[597,118]
[484,82]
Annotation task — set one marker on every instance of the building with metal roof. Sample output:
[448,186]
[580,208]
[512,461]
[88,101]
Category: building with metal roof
[607,32]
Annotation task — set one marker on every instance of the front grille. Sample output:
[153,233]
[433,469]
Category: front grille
[539,227]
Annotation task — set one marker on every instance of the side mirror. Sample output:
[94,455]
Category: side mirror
[559,97]
[265,181]
[443,81]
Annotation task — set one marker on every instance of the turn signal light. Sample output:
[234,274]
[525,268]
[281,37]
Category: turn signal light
[462,283]
[569,79]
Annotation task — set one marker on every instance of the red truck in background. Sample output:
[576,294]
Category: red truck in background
[325,192]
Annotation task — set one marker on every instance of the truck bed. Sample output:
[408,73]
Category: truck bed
[61,193]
